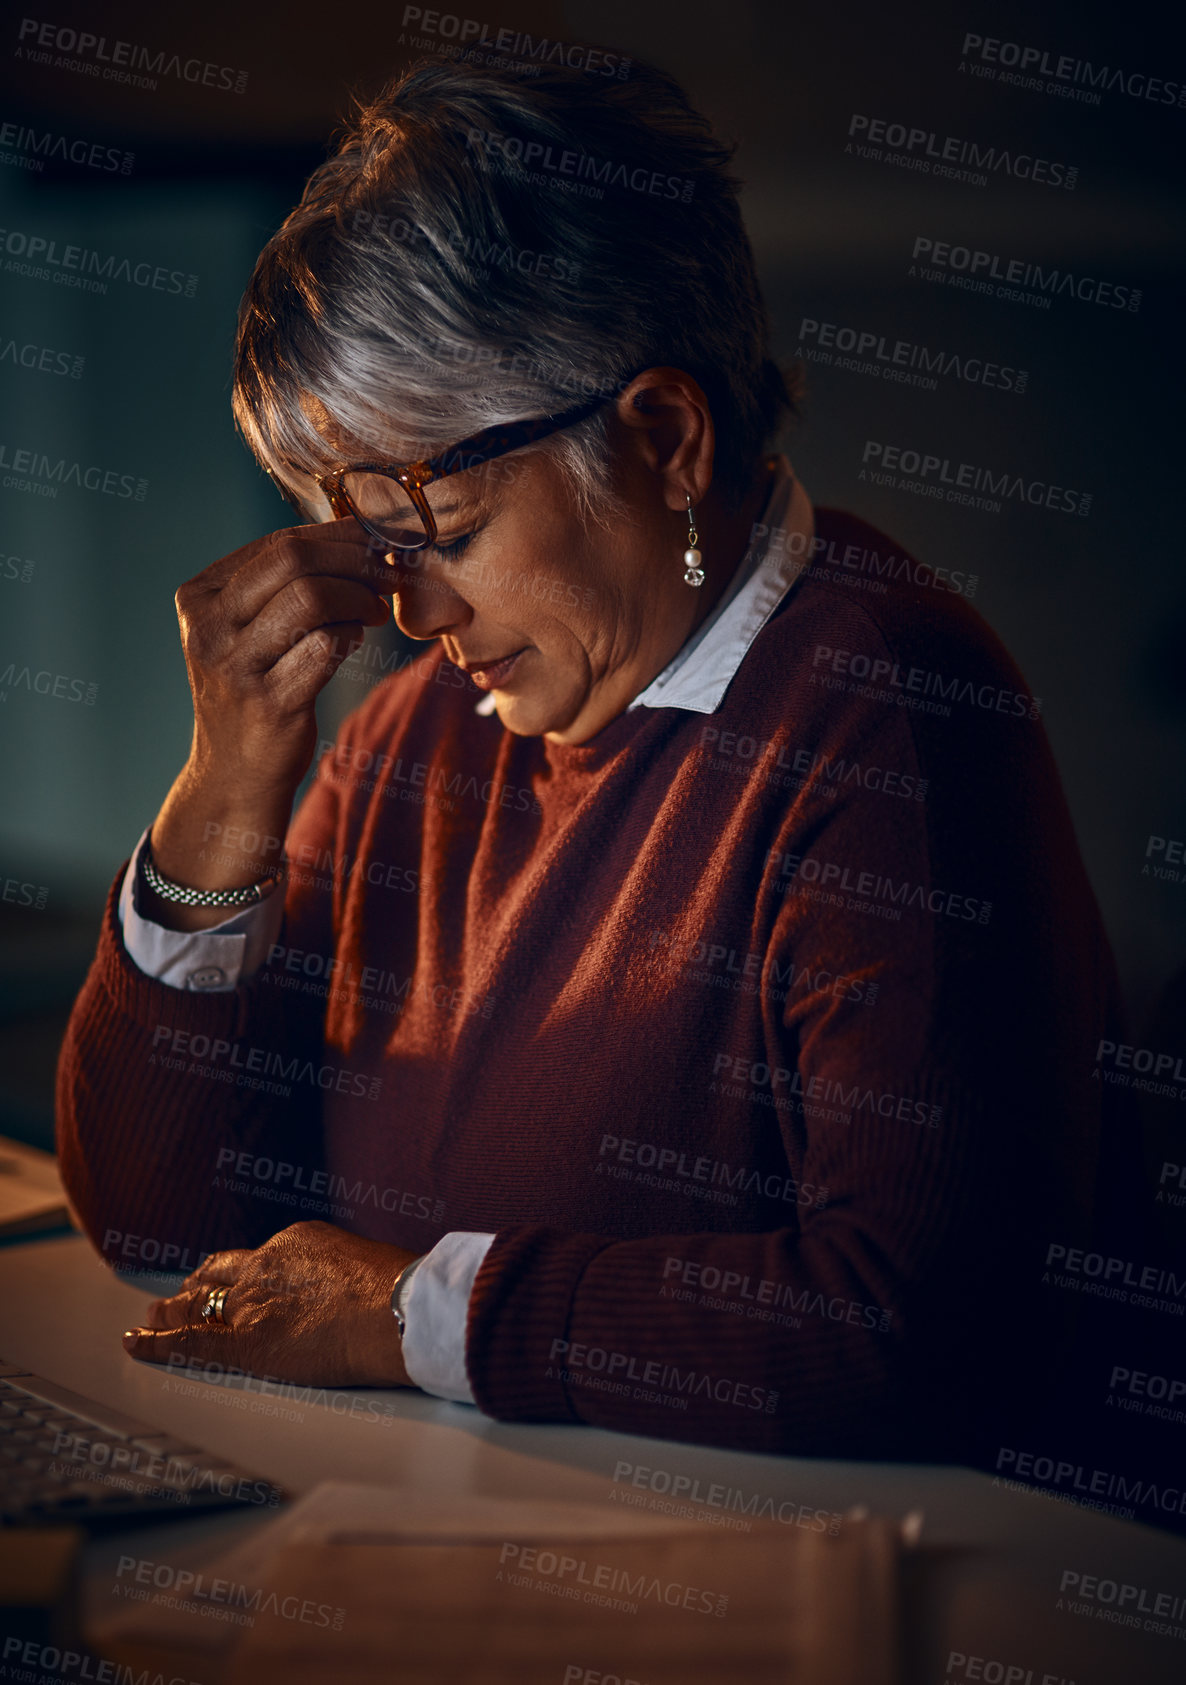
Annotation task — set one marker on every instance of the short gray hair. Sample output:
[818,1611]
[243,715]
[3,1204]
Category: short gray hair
[487,245]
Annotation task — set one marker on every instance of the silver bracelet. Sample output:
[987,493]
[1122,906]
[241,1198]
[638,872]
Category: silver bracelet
[169,891]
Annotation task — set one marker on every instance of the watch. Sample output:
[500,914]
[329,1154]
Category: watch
[399,1293]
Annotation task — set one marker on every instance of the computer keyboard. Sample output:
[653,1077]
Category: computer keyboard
[66,1458]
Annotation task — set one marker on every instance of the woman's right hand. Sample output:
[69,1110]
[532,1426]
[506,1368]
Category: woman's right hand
[263,631]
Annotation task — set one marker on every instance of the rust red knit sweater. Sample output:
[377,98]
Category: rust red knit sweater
[763,1039]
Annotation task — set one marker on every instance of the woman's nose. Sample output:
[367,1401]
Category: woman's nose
[425,606]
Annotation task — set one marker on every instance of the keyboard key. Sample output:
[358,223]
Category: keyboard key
[89,1409]
[63,1456]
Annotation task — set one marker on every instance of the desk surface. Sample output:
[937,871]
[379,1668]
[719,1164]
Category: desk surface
[988,1579]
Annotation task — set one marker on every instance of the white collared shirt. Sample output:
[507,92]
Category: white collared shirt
[218,959]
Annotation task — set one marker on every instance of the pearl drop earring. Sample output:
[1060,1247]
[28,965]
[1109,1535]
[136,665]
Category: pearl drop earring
[693,571]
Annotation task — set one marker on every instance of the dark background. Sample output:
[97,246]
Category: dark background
[1094,609]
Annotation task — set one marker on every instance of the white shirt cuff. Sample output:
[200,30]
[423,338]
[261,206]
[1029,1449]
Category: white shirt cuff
[435,1313]
[215,960]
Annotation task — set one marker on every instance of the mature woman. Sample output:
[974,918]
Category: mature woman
[693,1033]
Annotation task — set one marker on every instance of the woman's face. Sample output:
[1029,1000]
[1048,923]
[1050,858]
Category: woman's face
[590,613]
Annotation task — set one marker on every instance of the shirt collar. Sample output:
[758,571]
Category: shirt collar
[772,565]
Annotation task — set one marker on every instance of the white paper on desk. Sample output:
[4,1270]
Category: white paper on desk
[340,1512]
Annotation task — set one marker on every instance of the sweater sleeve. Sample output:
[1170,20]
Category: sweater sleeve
[157,1086]
[883,1321]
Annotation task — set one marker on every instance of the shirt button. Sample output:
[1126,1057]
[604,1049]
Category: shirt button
[208,977]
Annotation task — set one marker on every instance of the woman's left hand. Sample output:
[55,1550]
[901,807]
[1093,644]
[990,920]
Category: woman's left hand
[312,1305]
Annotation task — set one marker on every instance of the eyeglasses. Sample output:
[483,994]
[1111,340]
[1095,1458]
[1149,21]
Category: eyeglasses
[387,498]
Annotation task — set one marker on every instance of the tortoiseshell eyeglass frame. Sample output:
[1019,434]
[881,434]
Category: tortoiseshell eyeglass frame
[481,447]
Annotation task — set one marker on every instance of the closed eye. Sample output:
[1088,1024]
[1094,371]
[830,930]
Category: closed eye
[456,546]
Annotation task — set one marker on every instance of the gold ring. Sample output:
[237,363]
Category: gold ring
[215,1300]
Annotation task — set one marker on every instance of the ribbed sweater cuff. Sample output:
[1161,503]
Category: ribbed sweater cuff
[146,1001]
[520,1305]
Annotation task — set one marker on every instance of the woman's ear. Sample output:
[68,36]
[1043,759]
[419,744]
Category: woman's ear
[669,424]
